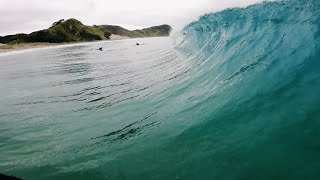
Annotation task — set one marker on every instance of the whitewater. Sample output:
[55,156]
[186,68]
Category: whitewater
[234,95]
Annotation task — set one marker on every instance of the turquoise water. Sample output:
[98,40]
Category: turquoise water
[235,95]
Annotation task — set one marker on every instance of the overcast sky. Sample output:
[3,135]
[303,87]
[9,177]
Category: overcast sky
[25,16]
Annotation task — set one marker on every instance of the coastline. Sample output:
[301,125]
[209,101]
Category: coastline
[5,48]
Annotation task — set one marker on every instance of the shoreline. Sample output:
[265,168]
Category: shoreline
[6,48]
[17,47]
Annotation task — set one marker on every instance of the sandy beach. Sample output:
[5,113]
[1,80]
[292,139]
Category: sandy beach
[15,47]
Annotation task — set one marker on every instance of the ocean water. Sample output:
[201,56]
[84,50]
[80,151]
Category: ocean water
[234,95]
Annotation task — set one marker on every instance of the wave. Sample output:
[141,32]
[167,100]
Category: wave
[255,84]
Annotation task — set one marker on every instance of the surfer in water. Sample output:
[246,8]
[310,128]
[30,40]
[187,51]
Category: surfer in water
[100,49]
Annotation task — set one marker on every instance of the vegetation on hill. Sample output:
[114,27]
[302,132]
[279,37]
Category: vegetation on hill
[67,31]
[13,38]
[73,30]
[163,30]
[70,30]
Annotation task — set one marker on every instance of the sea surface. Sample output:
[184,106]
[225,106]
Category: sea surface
[234,95]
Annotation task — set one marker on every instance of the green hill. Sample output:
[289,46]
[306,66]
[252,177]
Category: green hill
[13,38]
[67,31]
[163,30]
[73,30]
[70,30]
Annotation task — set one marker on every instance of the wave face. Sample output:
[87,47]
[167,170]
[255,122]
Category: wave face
[236,97]
[259,71]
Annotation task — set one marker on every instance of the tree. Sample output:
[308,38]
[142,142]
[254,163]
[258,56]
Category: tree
[58,22]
